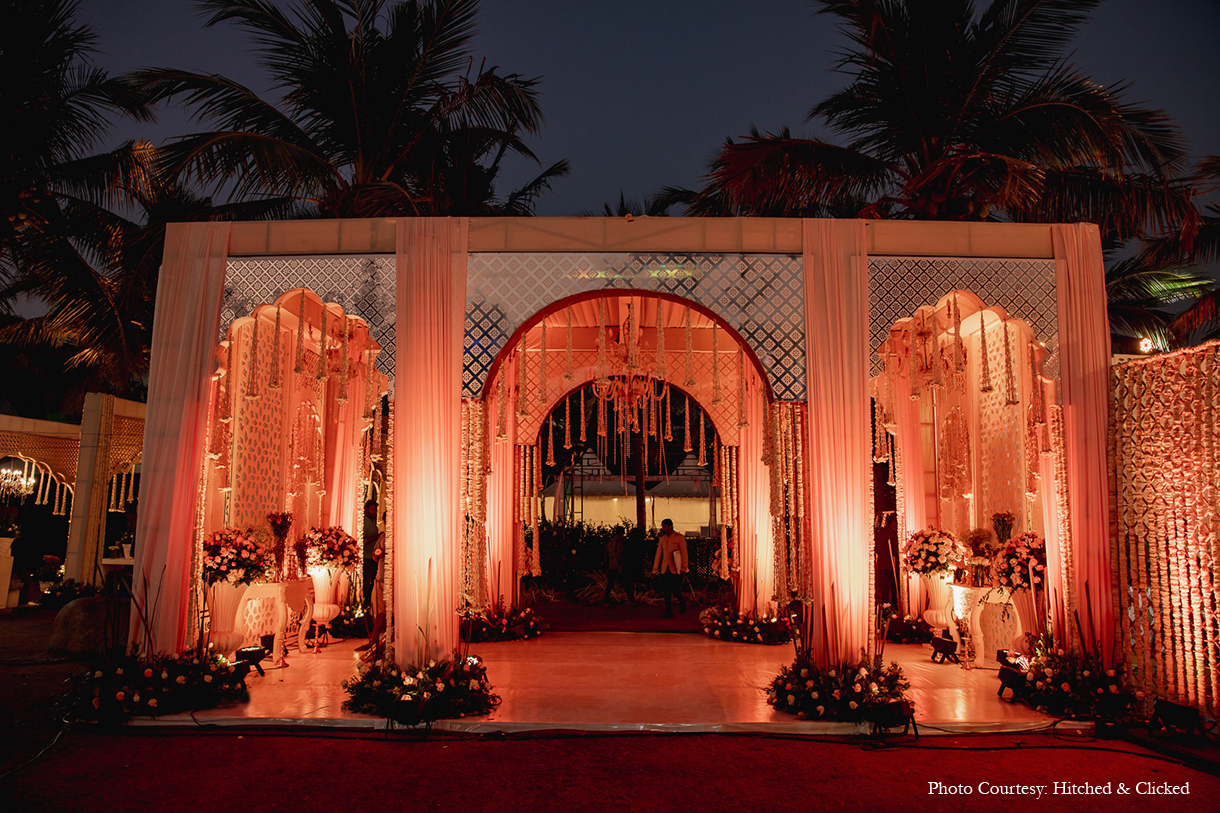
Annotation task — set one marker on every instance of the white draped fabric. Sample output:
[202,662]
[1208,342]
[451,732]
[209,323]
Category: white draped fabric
[342,504]
[839,449]
[431,260]
[754,536]
[501,540]
[183,346]
[1084,346]
[908,445]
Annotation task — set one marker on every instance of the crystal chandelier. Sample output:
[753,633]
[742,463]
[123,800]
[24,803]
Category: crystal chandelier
[15,482]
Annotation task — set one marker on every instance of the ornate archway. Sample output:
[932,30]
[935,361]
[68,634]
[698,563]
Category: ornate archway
[631,346]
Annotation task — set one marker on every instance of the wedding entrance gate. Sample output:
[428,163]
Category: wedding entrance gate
[454,303]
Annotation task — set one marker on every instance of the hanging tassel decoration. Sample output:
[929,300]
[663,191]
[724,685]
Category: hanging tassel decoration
[550,439]
[689,380]
[251,393]
[542,375]
[567,422]
[298,366]
[702,441]
[984,358]
[1010,380]
[686,447]
[501,407]
[582,416]
[1036,394]
[343,366]
[223,390]
[662,369]
[523,406]
[273,377]
[741,387]
[633,339]
[715,364]
[569,370]
[322,346]
[669,413]
[368,382]
[603,377]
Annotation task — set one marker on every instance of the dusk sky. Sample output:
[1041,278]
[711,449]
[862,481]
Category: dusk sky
[638,94]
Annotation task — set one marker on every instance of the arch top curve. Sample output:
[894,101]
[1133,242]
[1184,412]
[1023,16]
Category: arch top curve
[583,308]
[757,299]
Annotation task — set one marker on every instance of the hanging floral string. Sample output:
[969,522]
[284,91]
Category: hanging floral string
[368,382]
[224,394]
[1010,380]
[702,441]
[298,366]
[582,415]
[715,363]
[542,374]
[1037,398]
[686,447]
[569,370]
[741,387]
[251,393]
[550,439]
[669,416]
[322,371]
[984,357]
[343,365]
[689,380]
[501,407]
[273,379]
[523,406]
[633,343]
[939,379]
[959,344]
[567,421]
[603,377]
[662,369]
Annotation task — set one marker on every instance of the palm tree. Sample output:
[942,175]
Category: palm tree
[381,114]
[953,114]
[56,108]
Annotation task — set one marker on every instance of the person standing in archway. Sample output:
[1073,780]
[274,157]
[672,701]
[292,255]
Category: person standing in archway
[670,563]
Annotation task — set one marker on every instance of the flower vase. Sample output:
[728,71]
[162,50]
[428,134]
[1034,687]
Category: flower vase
[224,599]
[1023,603]
[940,600]
[326,587]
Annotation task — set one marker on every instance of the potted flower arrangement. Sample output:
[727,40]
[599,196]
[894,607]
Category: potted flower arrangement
[232,560]
[1003,522]
[451,687]
[49,572]
[1021,569]
[726,624]
[1022,563]
[932,553]
[980,550]
[331,553]
[279,523]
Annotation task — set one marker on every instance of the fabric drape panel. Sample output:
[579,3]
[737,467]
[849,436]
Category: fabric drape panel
[755,551]
[1056,588]
[1084,345]
[839,448]
[343,457]
[183,343]
[908,445]
[431,259]
[501,541]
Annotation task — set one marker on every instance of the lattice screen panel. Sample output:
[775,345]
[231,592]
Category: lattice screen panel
[1001,441]
[761,296]
[1024,288]
[365,286]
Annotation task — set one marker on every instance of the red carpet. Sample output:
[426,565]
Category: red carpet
[316,771]
[565,617]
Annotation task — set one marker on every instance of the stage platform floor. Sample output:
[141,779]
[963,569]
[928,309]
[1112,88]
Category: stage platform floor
[622,681]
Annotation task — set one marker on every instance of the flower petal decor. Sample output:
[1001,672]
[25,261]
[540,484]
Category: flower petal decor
[932,551]
[1022,561]
[332,547]
[234,556]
